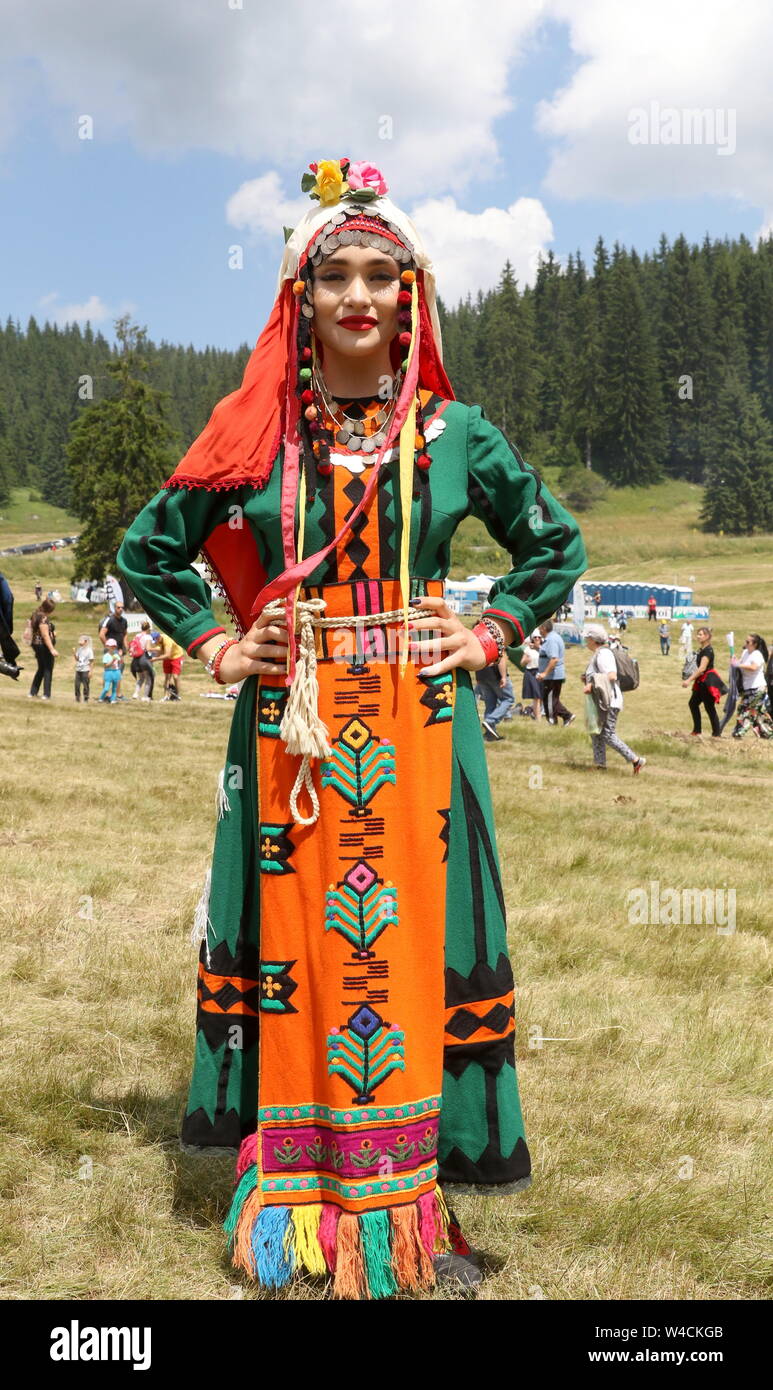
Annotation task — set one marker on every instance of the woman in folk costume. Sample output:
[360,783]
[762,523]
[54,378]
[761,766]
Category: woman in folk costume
[355,1035]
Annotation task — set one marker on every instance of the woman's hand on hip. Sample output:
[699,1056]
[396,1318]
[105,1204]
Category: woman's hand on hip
[262,651]
[457,645]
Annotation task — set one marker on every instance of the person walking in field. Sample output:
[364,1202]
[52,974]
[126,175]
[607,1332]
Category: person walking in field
[111,672]
[551,675]
[753,711]
[172,661]
[141,663]
[664,633]
[492,687]
[685,640]
[530,664]
[652,608]
[44,646]
[707,686]
[600,680]
[83,656]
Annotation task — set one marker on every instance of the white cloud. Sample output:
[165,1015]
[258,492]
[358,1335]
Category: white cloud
[282,84]
[469,250]
[92,311]
[259,206]
[699,55]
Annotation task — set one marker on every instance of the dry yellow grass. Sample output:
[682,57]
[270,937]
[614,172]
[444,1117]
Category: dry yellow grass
[659,1068]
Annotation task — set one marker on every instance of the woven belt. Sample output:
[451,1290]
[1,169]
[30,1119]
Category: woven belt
[302,730]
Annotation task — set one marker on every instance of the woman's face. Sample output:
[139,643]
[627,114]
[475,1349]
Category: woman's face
[360,284]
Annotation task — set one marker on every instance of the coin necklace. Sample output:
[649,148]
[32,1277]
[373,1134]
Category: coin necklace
[350,431]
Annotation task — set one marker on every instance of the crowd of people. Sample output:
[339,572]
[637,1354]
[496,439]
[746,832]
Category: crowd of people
[542,662]
[141,651]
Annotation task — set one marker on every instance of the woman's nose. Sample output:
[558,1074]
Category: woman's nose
[357,291]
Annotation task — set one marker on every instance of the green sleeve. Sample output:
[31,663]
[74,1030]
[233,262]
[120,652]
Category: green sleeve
[522,516]
[155,558]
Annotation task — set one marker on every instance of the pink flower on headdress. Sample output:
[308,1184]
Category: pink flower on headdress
[364,175]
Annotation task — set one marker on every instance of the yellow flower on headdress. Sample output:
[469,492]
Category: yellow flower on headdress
[330,184]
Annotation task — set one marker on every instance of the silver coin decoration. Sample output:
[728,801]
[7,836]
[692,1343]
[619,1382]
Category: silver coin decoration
[354,442]
[369,445]
[343,437]
[307,310]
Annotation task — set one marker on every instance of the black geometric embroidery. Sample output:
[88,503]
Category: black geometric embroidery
[271,707]
[445,831]
[275,848]
[355,548]
[276,986]
[439,698]
[464,1023]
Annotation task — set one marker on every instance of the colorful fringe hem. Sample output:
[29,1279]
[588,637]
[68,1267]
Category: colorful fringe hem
[370,1255]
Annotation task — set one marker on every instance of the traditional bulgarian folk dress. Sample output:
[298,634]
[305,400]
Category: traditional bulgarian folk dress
[355,1029]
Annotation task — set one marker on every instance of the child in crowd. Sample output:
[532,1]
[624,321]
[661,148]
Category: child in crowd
[83,655]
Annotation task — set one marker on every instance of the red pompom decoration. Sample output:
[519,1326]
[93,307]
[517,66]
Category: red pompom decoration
[313,427]
[325,469]
[423,461]
[405,339]
[307,396]
[404,297]
[306,354]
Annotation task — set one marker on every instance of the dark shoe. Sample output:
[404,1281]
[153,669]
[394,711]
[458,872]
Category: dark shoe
[570,720]
[490,732]
[9,668]
[457,1269]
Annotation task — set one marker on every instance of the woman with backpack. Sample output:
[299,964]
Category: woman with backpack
[42,638]
[141,664]
[753,712]
[601,682]
[707,686]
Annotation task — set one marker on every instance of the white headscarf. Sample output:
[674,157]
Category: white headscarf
[318,216]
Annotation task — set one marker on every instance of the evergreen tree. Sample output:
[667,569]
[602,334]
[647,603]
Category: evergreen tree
[511,393]
[5,472]
[687,360]
[118,455]
[630,438]
[739,477]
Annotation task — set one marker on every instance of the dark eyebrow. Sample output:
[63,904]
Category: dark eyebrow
[337,259]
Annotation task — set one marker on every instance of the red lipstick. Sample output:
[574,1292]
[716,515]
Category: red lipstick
[357,323]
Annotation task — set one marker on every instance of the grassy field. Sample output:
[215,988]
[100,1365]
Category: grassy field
[641,1048]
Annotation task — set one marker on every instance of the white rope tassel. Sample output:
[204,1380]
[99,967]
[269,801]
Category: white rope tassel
[302,730]
[223,804]
[200,930]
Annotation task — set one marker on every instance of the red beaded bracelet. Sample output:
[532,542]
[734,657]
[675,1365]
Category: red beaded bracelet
[218,657]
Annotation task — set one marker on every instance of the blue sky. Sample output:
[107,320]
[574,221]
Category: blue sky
[511,136]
